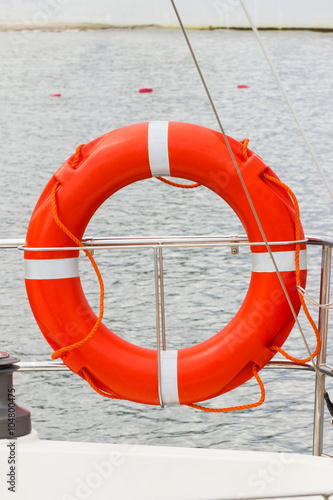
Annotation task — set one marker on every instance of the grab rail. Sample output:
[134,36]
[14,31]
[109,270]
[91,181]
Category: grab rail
[58,366]
[175,241]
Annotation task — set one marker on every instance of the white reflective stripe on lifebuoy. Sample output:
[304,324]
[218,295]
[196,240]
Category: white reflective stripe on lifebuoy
[158,149]
[51,269]
[169,377]
[285,261]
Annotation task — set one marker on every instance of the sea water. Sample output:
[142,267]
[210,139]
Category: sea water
[99,74]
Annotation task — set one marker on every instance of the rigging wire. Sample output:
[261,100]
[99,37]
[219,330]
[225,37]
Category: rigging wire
[288,101]
[312,301]
[246,191]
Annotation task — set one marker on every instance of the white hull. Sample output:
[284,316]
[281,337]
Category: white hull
[33,14]
[68,471]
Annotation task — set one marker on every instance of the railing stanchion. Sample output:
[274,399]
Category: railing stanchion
[318,425]
[160,313]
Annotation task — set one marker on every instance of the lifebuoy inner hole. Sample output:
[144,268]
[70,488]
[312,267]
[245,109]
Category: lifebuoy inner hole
[204,287]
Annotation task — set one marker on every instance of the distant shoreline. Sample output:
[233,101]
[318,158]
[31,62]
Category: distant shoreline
[21,15]
[66,26]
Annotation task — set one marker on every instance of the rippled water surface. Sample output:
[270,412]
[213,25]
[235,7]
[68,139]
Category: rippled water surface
[98,74]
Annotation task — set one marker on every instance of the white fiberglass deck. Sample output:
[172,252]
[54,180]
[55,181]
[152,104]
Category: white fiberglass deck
[67,471]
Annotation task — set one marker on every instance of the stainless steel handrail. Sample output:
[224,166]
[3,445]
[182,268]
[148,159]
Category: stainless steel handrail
[41,366]
[50,365]
[162,241]
[166,241]
[11,242]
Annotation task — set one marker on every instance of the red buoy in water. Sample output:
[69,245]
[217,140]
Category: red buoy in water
[145,90]
[242,86]
[55,95]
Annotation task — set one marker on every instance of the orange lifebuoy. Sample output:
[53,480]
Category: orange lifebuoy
[63,314]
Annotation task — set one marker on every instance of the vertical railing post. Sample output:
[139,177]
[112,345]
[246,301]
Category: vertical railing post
[160,313]
[318,426]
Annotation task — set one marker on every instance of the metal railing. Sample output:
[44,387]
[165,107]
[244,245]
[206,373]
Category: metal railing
[234,242]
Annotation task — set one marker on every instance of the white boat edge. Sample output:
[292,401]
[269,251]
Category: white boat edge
[74,470]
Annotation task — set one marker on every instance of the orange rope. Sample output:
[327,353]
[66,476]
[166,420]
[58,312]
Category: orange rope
[298,275]
[64,350]
[92,384]
[245,143]
[77,154]
[241,407]
[176,184]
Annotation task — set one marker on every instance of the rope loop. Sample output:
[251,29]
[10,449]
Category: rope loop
[298,276]
[86,375]
[105,394]
[176,184]
[64,350]
[241,407]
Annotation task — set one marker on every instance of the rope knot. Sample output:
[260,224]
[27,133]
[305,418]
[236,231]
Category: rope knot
[245,143]
[75,158]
